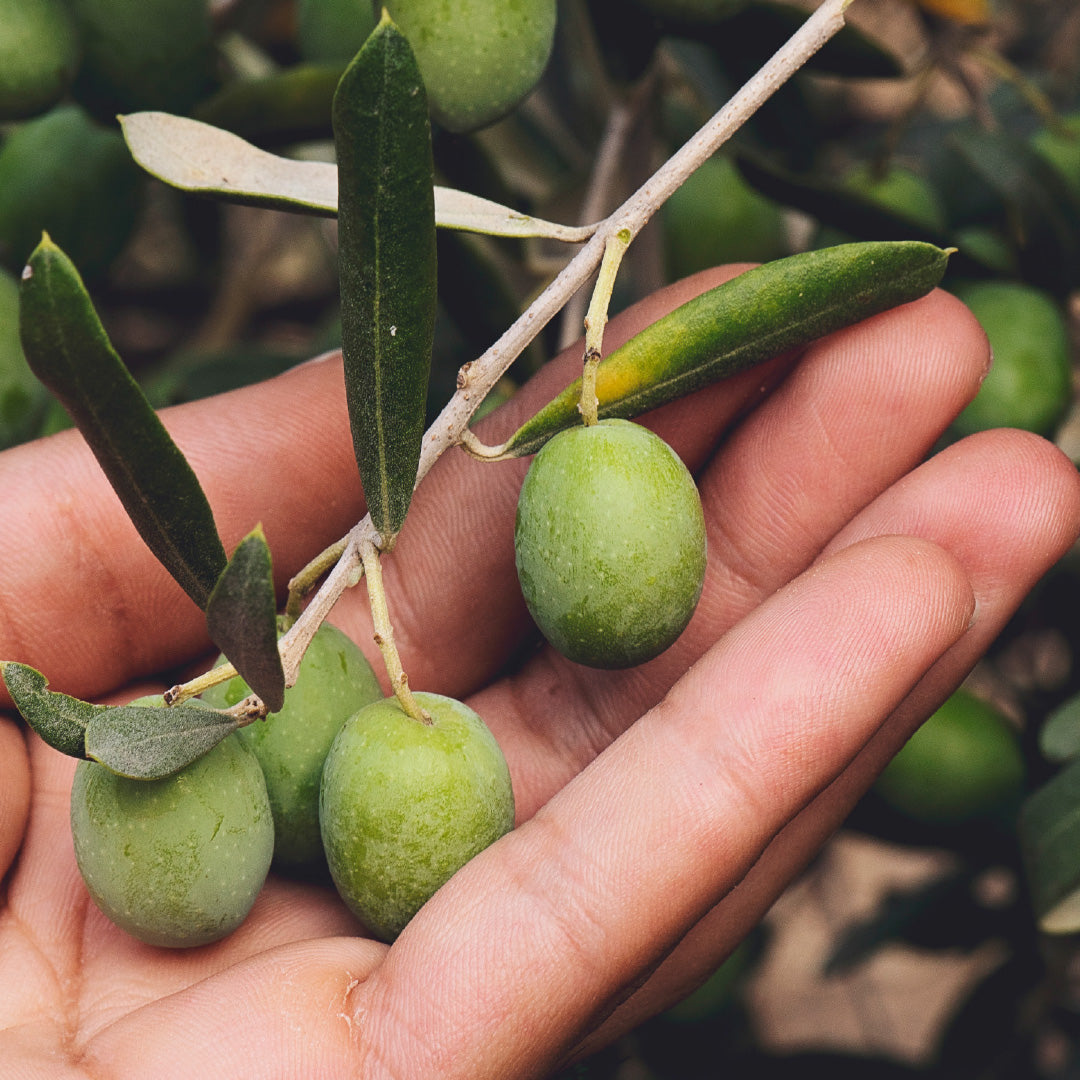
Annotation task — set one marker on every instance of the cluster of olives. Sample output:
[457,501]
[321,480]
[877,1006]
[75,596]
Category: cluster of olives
[610,540]
[339,778]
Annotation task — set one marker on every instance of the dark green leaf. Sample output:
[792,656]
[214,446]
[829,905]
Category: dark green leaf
[60,720]
[1030,200]
[386,222]
[241,617]
[68,349]
[1049,833]
[286,107]
[1059,737]
[835,204]
[145,742]
[759,314]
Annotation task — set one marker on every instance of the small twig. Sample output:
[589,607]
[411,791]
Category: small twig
[596,321]
[249,710]
[999,65]
[384,633]
[303,582]
[620,123]
[177,695]
[473,446]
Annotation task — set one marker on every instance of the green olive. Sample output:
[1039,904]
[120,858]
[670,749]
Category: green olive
[405,804]
[39,55]
[334,681]
[63,173]
[21,395]
[965,763]
[717,218]
[149,54]
[610,544]
[478,58]
[178,861]
[1029,385]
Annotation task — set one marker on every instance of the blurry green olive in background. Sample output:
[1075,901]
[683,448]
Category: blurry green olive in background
[965,763]
[39,55]
[1029,385]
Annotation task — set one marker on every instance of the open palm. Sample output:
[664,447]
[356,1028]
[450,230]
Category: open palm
[661,810]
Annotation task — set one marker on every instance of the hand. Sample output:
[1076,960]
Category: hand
[661,810]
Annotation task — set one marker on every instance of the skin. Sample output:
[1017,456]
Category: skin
[660,810]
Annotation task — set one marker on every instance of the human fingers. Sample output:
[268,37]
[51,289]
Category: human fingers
[860,410]
[1007,505]
[565,915]
[14,791]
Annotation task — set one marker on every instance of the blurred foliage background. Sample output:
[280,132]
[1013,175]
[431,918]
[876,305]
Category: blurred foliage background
[954,121]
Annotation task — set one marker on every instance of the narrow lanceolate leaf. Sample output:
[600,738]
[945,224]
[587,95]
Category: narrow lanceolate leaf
[242,619]
[206,160]
[766,311]
[145,742]
[386,231]
[1049,832]
[69,351]
[59,720]
[1059,736]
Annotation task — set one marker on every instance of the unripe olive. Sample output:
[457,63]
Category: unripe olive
[153,54]
[63,173]
[1029,384]
[334,681]
[177,861]
[405,804]
[715,217]
[39,55]
[965,763]
[610,544]
[478,58]
[21,395]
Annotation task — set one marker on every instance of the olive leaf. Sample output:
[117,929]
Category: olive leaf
[1048,828]
[59,720]
[834,203]
[1027,192]
[241,617]
[285,107]
[1059,736]
[197,157]
[145,743]
[386,233]
[140,741]
[67,348]
[775,307]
